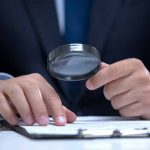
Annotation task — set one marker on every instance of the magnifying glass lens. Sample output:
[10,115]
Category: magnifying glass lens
[74,65]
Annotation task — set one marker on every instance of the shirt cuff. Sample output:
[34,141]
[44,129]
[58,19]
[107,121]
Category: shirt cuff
[5,76]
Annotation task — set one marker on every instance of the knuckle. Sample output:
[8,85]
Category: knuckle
[137,62]
[55,97]
[52,96]
[36,76]
[13,89]
[30,85]
[141,79]
[49,96]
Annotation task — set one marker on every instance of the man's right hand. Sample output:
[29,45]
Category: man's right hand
[34,99]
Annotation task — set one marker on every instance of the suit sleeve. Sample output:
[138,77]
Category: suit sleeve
[5,76]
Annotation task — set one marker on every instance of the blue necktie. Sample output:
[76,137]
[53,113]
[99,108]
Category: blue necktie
[76,26]
[76,20]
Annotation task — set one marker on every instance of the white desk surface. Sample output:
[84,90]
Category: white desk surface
[10,140]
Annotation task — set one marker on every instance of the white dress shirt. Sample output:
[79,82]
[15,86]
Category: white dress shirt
[60,10]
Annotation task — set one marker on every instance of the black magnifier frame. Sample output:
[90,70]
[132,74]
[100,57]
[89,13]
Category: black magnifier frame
[73,62]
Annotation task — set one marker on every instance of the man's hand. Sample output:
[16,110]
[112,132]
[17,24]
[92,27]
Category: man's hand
[127,85]
[34,99]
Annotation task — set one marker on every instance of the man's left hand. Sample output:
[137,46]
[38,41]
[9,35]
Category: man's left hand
[127,85]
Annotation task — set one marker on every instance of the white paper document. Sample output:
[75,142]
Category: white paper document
[94,126]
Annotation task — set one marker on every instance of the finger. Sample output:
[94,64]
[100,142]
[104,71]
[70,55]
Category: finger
[71,117]
[53,101]
[102,66]
[117,87]
[6,111]
[124,99]
[51,98]
[132,110]
[112,72]
[18,99]
[34,97]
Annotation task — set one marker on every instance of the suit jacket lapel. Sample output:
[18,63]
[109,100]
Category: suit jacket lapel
[101,21]
[43,17]
[44,20]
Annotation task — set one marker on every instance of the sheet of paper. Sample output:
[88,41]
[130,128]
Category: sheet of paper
[90,123]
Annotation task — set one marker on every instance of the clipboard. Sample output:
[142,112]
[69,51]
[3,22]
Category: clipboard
[85,129]
[21,130]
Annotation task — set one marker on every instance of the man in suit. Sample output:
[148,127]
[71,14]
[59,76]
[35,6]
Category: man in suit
[29,31]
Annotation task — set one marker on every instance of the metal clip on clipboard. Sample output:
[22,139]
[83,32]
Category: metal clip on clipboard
[123,133]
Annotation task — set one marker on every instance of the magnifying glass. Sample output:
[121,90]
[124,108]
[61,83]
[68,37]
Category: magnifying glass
[73,62]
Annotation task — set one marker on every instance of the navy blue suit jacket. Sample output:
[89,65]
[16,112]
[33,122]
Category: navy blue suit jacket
[120,29]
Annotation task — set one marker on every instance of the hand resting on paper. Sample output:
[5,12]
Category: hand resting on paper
[34,99]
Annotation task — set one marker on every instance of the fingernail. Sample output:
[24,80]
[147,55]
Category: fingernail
[29,120]
[89,85]
[43,120]
[61,119]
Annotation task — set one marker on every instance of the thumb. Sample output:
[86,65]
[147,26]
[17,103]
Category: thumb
[104,65]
